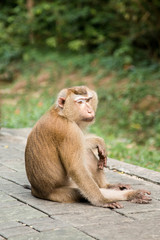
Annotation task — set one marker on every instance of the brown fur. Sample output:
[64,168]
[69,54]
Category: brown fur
[59,157]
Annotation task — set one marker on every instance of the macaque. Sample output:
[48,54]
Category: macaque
[64,163]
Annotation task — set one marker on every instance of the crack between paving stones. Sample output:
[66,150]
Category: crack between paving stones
[20,200]
[129,217]
[3,236]
[138,212]
[124,215]
[147,211]
[86,233]
[27,225]
[12,180]
[30,205]
[9,169]
[132,174]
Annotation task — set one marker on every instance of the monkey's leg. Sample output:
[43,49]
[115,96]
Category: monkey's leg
[136,196]
[97,174]
[65,195]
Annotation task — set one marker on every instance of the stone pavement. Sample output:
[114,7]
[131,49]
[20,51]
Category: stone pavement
[24,217]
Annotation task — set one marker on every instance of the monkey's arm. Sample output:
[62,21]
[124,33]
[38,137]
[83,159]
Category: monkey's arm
[94,141]
[72,155]
[98,147]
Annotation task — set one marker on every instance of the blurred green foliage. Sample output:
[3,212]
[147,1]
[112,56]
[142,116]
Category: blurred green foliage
[128,115]
[128,30]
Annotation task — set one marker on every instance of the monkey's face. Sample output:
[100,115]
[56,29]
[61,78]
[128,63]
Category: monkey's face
[78,104]
[77,108]
[84,108]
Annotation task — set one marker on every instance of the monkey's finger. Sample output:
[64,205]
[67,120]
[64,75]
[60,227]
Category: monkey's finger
[118,205]
[105,162]
[141,201]
[143,192]
[146,201]
[113,205]
[109,205]
[100,166]
[101,152]
[147,192]
[146,198]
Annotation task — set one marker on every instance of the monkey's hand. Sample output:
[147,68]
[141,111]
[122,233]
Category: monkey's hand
[102,157]
[141,196]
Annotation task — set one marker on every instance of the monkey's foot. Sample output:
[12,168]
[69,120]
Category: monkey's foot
[113,205]
[141,197]
[102,157]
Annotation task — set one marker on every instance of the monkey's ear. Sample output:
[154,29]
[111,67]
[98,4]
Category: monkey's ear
[61,102]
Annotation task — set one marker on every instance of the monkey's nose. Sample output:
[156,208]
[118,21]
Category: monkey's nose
[90,111]
[91,114]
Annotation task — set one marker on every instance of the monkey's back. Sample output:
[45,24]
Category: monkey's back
[42,160]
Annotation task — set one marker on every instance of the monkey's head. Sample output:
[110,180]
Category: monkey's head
[77,104]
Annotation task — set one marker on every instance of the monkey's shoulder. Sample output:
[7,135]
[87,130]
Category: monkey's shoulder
[56,127]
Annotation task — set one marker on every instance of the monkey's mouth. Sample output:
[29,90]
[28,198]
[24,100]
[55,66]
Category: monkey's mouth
[89,119]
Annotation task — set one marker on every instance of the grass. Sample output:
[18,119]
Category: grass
[127,150]
[128,114]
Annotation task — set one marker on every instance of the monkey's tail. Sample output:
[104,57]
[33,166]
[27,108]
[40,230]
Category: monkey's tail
[27,186]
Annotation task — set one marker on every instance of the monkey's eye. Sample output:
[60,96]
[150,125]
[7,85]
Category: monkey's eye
[80,101]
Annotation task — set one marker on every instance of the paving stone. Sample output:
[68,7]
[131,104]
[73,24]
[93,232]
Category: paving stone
[133,207]
[17,177]
[135,230]
[4,197]
[10,187]
[4,168]
[12,140]
[23,132]
[10,204]
[17,231]
[10,224]
[17,166]
[9,153]
[120,177]
[92,217]
[53,207]
[24,217]
[149,215]
[19,213]
[57,234]
[45,223]
[134,170]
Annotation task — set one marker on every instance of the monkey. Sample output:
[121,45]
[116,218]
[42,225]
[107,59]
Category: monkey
[60,156]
